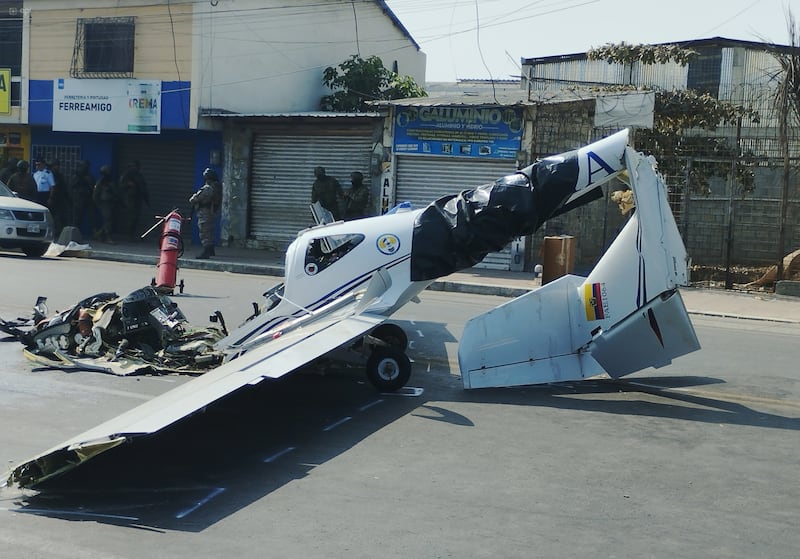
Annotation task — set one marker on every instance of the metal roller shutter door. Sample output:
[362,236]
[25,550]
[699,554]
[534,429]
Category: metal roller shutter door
[282,175]
[421,180]
[168,168]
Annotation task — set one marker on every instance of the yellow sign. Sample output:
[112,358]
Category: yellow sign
[5,91]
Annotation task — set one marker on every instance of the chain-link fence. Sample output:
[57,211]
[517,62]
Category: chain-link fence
[729,210]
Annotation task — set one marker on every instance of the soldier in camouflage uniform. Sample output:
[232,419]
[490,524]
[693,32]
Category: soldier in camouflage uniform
[81,188]
[356,198]
[106,199]
[133,189]
[328,192]
[206,203]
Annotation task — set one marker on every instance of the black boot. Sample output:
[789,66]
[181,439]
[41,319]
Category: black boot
[206,254]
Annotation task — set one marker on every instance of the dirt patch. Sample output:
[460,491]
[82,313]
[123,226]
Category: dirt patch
[740,276]
[744,278]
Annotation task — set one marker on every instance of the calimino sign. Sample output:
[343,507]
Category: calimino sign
[123,106]
[487,132]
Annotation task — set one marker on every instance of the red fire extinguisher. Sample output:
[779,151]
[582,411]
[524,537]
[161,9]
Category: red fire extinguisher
[171,249]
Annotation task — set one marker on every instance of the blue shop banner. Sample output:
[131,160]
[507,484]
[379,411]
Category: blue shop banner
[487,132]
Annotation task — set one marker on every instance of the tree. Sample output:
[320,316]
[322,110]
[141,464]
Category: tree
[787,103]
[358,80]
[678,111]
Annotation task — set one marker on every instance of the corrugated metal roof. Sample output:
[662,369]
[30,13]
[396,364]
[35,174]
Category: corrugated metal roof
[213,113]
[713,41]
[501,97]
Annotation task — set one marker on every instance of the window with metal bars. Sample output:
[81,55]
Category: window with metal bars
[104,48]
[11,44]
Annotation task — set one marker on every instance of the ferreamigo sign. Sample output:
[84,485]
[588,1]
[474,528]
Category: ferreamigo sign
[487,132]
[124,106]
[5,91]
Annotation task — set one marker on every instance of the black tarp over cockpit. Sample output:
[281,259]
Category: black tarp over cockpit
[458,231]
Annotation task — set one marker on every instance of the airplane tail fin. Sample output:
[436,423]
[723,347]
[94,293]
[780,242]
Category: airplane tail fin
[625,316]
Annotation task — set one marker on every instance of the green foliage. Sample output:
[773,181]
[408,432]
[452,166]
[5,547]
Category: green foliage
[646,54]
[358,80]
[787,94]
[680,111]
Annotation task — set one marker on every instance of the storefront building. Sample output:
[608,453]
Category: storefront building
[117,121]
[440,148]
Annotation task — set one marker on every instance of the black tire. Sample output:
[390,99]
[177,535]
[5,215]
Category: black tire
[35,250]
[392,334]
[388,369]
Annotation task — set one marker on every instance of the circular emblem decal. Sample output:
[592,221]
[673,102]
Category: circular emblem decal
[388,244]
[311,268]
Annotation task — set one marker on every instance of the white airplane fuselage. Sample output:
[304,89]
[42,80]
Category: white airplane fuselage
[317,271]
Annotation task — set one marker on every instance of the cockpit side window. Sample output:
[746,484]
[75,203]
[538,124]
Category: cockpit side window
[322,252]
[517,179]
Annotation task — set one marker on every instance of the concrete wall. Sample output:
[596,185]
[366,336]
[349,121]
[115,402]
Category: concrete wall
[53,29]
[239,141]
[267,56]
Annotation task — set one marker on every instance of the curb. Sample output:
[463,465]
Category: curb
[742,316]
[191,263]
[477,289]
[277,271]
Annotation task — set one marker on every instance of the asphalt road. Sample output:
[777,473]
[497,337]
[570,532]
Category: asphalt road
[698,459]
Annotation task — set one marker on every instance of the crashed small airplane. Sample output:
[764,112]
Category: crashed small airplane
[343,280]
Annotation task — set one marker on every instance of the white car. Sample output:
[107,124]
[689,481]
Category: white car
[25,225]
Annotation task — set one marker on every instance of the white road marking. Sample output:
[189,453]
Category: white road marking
[335,425]
[200,503]
[420,334]
[406,391]
[279,454]
[367,406]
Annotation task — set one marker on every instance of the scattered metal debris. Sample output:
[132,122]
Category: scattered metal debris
[142,333]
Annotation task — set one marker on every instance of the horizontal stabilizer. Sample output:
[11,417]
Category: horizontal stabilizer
[651,337]
[529,340]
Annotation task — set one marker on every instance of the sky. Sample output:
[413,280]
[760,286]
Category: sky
[485,39]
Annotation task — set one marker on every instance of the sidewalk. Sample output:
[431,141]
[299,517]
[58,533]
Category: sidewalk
[699,301]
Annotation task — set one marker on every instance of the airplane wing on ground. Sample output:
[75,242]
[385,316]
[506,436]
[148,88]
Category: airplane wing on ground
[285,351]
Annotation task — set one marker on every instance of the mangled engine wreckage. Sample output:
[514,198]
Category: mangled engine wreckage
[143,332]
[343,280]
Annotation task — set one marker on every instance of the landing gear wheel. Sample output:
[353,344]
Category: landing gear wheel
[388,369]
[392,334]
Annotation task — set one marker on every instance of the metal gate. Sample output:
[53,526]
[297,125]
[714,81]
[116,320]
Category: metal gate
[282,175]
[421,180]
[168,168]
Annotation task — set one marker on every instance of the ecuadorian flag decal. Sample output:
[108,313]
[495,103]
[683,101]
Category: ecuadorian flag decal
[594,300]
